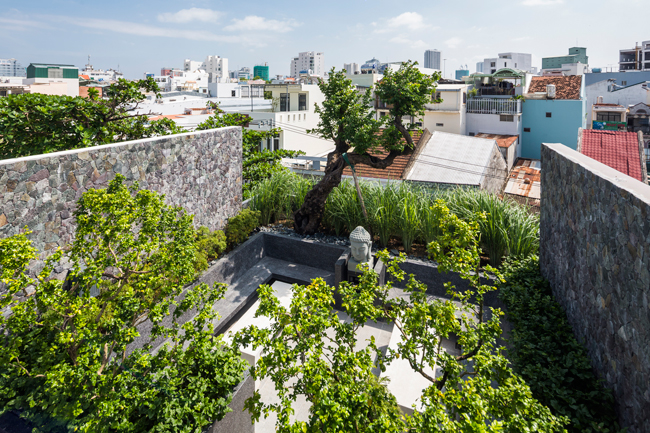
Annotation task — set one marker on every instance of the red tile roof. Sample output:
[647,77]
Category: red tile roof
[617,149]
[394,171]
[502,140]
[565,87]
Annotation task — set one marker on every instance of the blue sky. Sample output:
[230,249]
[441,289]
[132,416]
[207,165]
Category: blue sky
[145,36]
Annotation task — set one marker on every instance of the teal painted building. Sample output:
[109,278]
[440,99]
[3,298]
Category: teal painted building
[460,73]
[576,55]
[49,70]
[262,72]
[557,120]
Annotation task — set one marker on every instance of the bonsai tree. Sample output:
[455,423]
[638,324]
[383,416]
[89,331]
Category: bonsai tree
[69,357]
[346,118]
[309,352]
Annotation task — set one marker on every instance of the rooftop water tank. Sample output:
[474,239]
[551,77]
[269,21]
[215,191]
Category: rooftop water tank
[550,91]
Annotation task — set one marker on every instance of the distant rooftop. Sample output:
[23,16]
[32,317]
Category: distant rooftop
[524,180]
[565,87]
[502,140]
[618,149]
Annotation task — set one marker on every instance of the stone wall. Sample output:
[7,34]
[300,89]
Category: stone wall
[201,171]
[595,251]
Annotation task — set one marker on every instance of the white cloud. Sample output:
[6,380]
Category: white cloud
[188,15]
[411,43]
[21,25]
[254,23]
[541,2]
[453,42]
[413,20]
[405,21]
[138,29]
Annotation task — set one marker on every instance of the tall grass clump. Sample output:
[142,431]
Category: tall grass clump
[279,196]
[508,230]
[382,204]
[408,215]
[343,210]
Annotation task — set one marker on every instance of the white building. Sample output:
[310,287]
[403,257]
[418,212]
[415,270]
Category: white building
[352,68]
[310,62]
[520,61]
[635,59]
[432,59]
[450,114]
[11,68]
[100,74]
[216,67]
[609,93]
[293,111]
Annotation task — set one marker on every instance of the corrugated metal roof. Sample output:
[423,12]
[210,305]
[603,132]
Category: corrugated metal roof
[525,179]
[452,159]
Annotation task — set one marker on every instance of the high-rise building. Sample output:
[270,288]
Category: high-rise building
[432,59]
[479,67]
[635,59]
[352,68]
[308,62]
[215,66]
[244,73]
[261,71]
[460,73]
[11,68]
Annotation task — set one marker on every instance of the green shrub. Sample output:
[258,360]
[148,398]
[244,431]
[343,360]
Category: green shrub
[209,245]
[548,356]
[241,225]
[382,207]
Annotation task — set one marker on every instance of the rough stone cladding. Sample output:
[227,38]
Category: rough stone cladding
[595,251]
[200,171]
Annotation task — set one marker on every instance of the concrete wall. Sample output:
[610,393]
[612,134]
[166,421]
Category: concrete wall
[495,173]
[567,116]
[595,251]
[492,124]
[200,171]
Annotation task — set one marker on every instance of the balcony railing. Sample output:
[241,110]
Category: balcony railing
[495,91]
[493,106]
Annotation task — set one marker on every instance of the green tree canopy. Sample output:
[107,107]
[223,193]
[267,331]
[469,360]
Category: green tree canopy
[68,356]
[33,123]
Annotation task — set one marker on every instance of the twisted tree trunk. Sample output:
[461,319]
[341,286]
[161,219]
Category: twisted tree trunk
[307,219]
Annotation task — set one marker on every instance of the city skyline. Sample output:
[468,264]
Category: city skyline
[139,41]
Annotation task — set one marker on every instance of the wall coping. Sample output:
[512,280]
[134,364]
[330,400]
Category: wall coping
[105,146]
[621,180]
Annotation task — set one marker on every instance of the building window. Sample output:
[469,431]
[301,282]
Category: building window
[493,71]
[505,64]
[608,117]
[472,134]
[284,97]
[233,93]
[549,114]
[464,98]
[515,65]
[276,143]
[507,118]
[492,64]
[440,124]
[382,113]
[302,102]
[526,129]
[623,83]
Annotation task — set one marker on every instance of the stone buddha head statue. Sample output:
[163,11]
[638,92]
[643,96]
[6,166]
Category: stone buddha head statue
[361,246]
